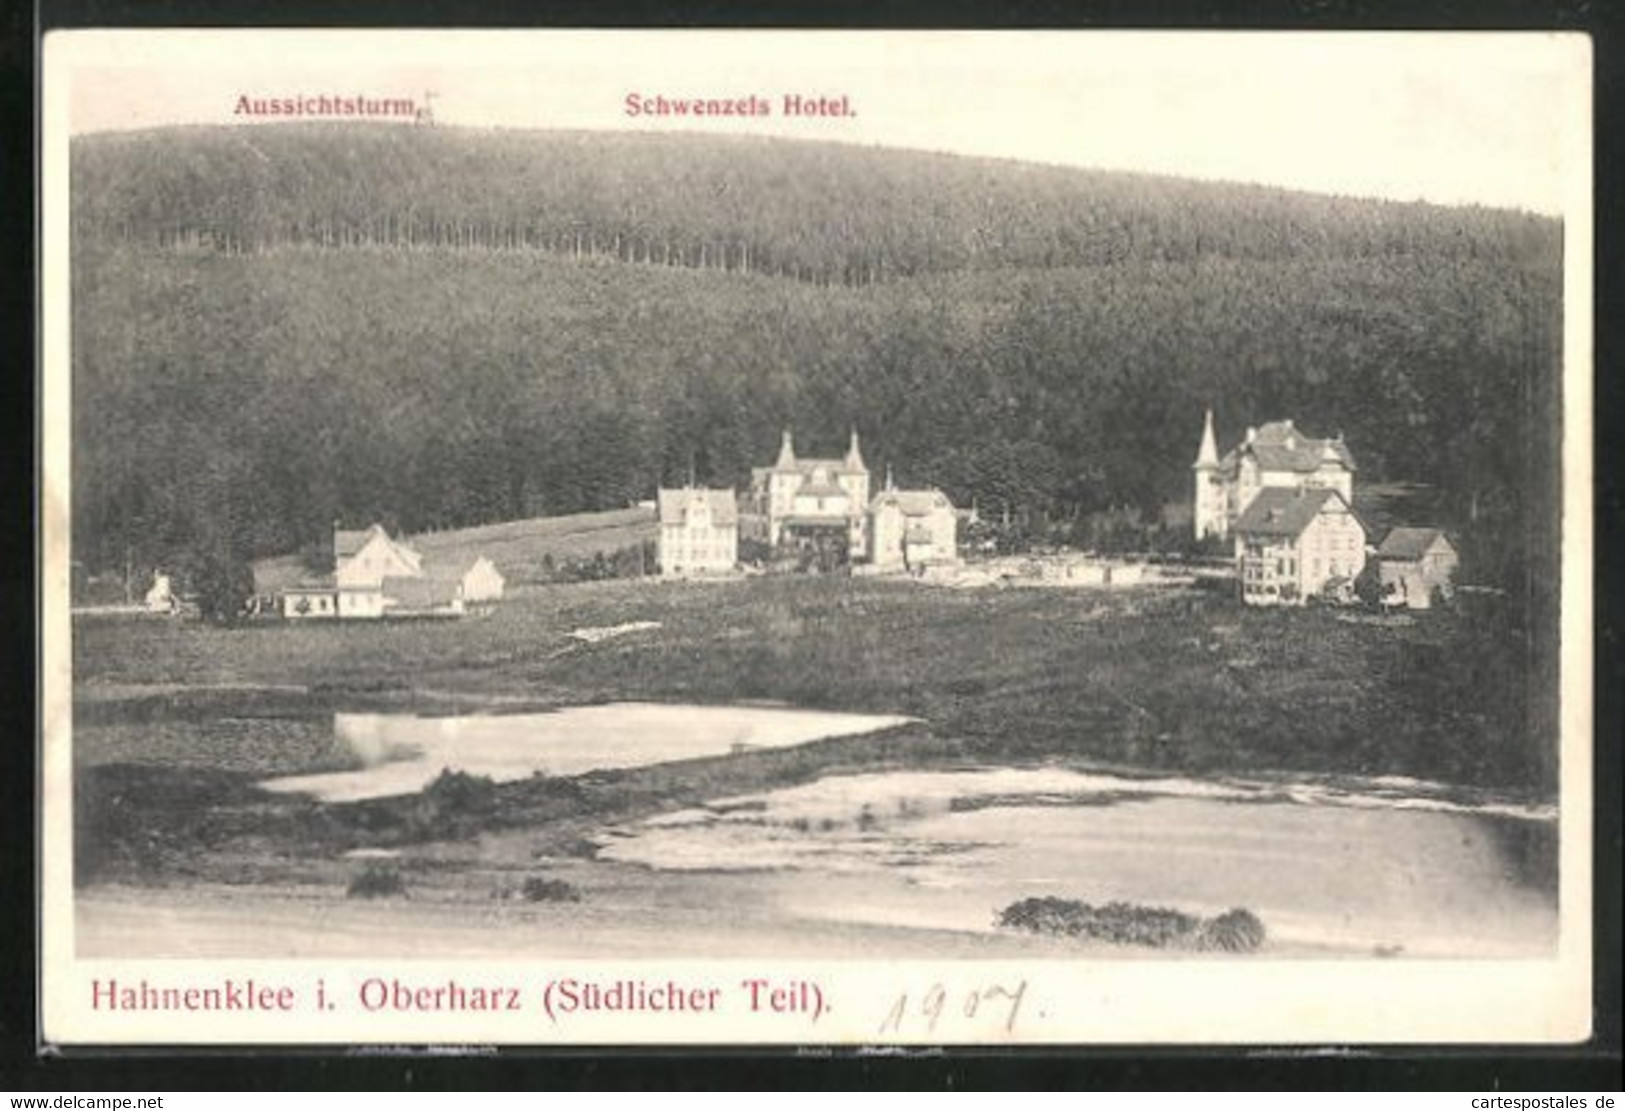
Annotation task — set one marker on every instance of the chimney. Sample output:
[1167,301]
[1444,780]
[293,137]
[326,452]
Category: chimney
[787,453]
[1252,433]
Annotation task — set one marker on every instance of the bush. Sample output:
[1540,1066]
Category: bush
[1236,931]
[455,804]
[540,889]
[454,792]
[378,881]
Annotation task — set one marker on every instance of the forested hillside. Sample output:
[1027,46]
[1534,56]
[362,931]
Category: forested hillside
[275,327]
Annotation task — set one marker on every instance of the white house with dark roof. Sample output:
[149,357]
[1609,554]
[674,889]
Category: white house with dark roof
[699,532]
[1414,564]
[1295,543]
[1276,455]
[912,530]
[366,557]
[445,587]
[814,500]
[375,575]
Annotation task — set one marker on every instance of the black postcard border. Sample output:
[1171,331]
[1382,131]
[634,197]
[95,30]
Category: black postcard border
[27,1065]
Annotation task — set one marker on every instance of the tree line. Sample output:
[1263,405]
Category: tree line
[824,213]
[241,401]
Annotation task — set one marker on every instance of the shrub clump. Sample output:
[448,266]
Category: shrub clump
[378,881]
[1235,931]
[455,804]
[454,792]
[540,889]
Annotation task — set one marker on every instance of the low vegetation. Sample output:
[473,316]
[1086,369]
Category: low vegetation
[1235,931]
[1177,680]
[541,889]
[377,881]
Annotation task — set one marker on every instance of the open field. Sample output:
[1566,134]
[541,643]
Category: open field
[178,723]
[521,549]
[1183,680]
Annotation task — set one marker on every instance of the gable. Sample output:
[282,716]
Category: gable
[378,558]
[1412,544]
[1285,511]
[674,506]
[1278,446]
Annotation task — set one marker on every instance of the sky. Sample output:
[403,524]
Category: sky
[1492,118]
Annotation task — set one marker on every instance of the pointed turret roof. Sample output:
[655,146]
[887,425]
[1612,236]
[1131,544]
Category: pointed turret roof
[787,453]
[854,457]
[788,462]
[1207,456]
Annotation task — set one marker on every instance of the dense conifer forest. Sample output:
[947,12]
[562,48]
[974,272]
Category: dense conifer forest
[279,326]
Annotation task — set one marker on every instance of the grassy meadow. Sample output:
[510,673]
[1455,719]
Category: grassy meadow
[175,722]
[1166,679]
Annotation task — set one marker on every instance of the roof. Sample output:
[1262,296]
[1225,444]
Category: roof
[1410,543]
[913,503]
[419,591]
[453,568]
[1284,511]
[1278,446]
[807,466]
[674,505]
[813,489]
[851,463]
[347,542]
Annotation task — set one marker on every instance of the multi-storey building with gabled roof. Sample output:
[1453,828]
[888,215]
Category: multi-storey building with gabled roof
[820,503]
[1275,456]
[699,532]
[913,530]
[1295,544]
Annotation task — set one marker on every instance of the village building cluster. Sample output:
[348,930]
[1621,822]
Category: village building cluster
[812,512]
[376,575]
[1286,499]
[1281,498]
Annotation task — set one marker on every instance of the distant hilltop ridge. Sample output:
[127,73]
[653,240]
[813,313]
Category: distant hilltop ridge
[826,212]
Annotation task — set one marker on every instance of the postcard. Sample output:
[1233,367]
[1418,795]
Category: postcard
[816,538]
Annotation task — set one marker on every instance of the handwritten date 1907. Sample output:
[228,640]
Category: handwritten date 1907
[939,1003]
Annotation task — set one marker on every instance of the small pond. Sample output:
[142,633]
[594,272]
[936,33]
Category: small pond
[1386,867]
[398,754]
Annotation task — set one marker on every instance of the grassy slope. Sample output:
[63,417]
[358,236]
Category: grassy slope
[518,548]
[1174,680]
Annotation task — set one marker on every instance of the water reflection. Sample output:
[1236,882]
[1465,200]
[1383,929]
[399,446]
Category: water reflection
[397,754]
[1342,870]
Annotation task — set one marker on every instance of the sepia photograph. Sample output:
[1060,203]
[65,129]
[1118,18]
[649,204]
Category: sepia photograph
[811,537]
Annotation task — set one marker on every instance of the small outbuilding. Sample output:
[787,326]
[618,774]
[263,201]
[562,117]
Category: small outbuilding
[1415,566]
[913,530]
